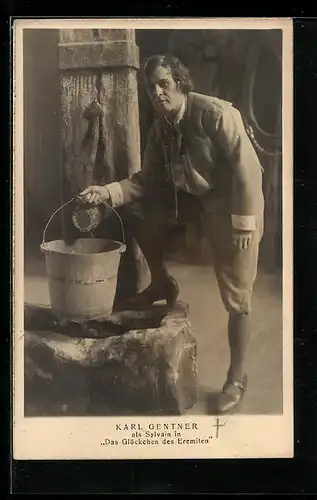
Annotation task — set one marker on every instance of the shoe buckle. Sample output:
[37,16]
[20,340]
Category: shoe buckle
[235,383]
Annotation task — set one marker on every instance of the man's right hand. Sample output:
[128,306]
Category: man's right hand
[94,195]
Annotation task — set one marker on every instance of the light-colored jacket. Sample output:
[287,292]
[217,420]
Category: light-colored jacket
[219,156]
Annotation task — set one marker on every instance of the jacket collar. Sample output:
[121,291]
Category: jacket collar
[175,123]
[178,118]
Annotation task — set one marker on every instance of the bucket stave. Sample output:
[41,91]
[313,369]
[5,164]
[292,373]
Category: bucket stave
[82,277]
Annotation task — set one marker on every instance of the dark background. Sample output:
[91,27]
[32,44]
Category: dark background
[218,61]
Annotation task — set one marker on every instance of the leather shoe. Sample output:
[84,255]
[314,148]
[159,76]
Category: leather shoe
[167,290]
[231,398]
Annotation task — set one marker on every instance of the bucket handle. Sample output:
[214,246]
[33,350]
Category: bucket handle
[68,203]
[53,215]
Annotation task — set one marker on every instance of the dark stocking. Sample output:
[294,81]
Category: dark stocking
[239,331]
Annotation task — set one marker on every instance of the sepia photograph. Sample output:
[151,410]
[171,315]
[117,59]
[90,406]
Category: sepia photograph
[153,235]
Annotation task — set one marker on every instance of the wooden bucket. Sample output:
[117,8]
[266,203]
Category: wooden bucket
[82,276]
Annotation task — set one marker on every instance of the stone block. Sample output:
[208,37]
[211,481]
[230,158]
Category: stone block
[134,362]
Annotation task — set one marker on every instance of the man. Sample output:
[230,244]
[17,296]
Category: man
[198,160]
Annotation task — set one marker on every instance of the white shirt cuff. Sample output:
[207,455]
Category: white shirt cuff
[116,194]
[244,222]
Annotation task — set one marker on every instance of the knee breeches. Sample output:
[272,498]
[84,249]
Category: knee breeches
[235,270]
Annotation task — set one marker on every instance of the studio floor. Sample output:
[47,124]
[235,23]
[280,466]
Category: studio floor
[209,320]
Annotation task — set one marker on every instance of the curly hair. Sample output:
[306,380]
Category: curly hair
[179,71]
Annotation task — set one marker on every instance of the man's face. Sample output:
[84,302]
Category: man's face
[164,92]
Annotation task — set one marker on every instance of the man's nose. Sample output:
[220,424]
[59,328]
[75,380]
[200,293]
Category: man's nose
[157,91]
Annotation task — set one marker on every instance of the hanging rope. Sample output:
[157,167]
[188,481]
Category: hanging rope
[258,146]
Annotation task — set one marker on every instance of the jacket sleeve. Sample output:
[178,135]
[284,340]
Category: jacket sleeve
[129,190]
[247,195]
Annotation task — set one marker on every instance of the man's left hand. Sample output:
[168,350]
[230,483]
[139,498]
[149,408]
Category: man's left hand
[241,239]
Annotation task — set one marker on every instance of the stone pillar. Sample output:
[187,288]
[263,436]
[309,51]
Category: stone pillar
[100,122]
[101,66]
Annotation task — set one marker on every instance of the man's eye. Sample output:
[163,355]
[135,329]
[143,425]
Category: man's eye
[164,84]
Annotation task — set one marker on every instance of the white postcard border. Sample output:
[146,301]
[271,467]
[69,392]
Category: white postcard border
[237,436]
